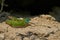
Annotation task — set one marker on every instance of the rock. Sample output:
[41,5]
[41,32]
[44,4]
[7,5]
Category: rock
[18,38]
[7,39]
[3,28]
[34,37]
[43,29]
[56,13]
[55,36]
[49,17]
[26,38]
[1,36]
[4,16]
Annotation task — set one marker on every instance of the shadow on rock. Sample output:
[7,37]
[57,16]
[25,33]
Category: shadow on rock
[56,13]
[3,16]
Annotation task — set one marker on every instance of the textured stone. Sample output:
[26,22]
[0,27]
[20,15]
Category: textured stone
[38,30]
[26,38]
[2,36]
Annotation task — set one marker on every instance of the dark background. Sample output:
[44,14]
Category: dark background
[36,7]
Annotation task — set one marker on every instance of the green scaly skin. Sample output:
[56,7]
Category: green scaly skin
[14,22]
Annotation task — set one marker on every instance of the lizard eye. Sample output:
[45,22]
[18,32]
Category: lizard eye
[27,20]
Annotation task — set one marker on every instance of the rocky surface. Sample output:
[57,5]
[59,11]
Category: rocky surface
[43,27]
